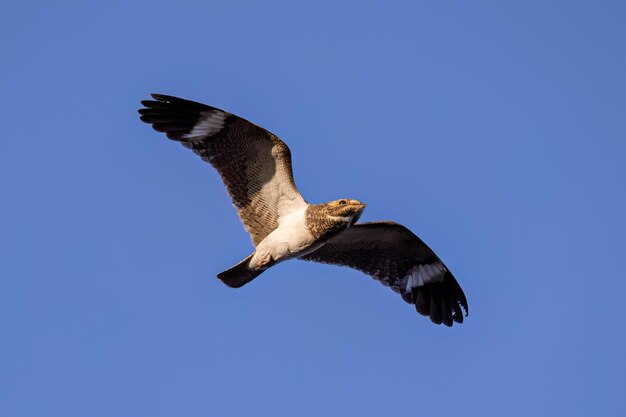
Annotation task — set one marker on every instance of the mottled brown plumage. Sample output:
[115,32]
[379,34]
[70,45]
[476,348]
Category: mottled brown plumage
[326,220]
[255,166]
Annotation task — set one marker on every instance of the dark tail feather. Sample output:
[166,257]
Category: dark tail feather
[240,274]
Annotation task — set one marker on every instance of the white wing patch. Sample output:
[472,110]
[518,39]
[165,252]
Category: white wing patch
[211,122]
[422,275]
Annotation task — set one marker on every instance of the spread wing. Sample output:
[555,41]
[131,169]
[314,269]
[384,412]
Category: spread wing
[254,164]
[393,255]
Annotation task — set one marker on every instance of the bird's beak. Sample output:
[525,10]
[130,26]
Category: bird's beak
[358,210]
[358,207]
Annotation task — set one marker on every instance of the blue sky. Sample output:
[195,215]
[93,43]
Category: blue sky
[494,130]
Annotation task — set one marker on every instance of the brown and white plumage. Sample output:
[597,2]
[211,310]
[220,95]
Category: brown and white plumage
[255,166]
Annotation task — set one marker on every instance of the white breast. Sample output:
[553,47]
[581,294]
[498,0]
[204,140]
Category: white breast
[290,240]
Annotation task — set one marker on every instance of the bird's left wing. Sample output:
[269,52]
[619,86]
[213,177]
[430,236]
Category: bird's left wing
[254,164]
[393,255]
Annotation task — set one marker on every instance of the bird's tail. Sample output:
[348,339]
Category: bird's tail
[240,274]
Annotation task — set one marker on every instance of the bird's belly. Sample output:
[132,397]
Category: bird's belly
[287,242]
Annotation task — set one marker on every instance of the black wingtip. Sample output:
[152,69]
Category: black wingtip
[422,300]
[176,117]
[151,103]
[443,302]
[162,97]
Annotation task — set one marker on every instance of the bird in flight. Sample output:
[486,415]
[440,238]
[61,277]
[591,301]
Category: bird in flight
[255,166]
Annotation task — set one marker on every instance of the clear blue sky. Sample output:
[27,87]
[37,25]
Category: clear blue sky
[495,131]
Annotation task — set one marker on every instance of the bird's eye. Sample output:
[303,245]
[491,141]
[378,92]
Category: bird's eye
[342,202]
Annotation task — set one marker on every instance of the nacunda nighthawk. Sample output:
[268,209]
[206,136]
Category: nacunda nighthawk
[255,166]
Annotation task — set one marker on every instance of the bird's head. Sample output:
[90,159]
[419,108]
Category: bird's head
[344,211]
[328,219]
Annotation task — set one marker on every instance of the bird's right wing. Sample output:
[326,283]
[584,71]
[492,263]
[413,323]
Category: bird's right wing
[254,164]
[393,255]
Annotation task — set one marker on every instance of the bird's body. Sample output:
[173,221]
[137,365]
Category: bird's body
[255,166]
[299,233]
[289,240]
[304,230]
